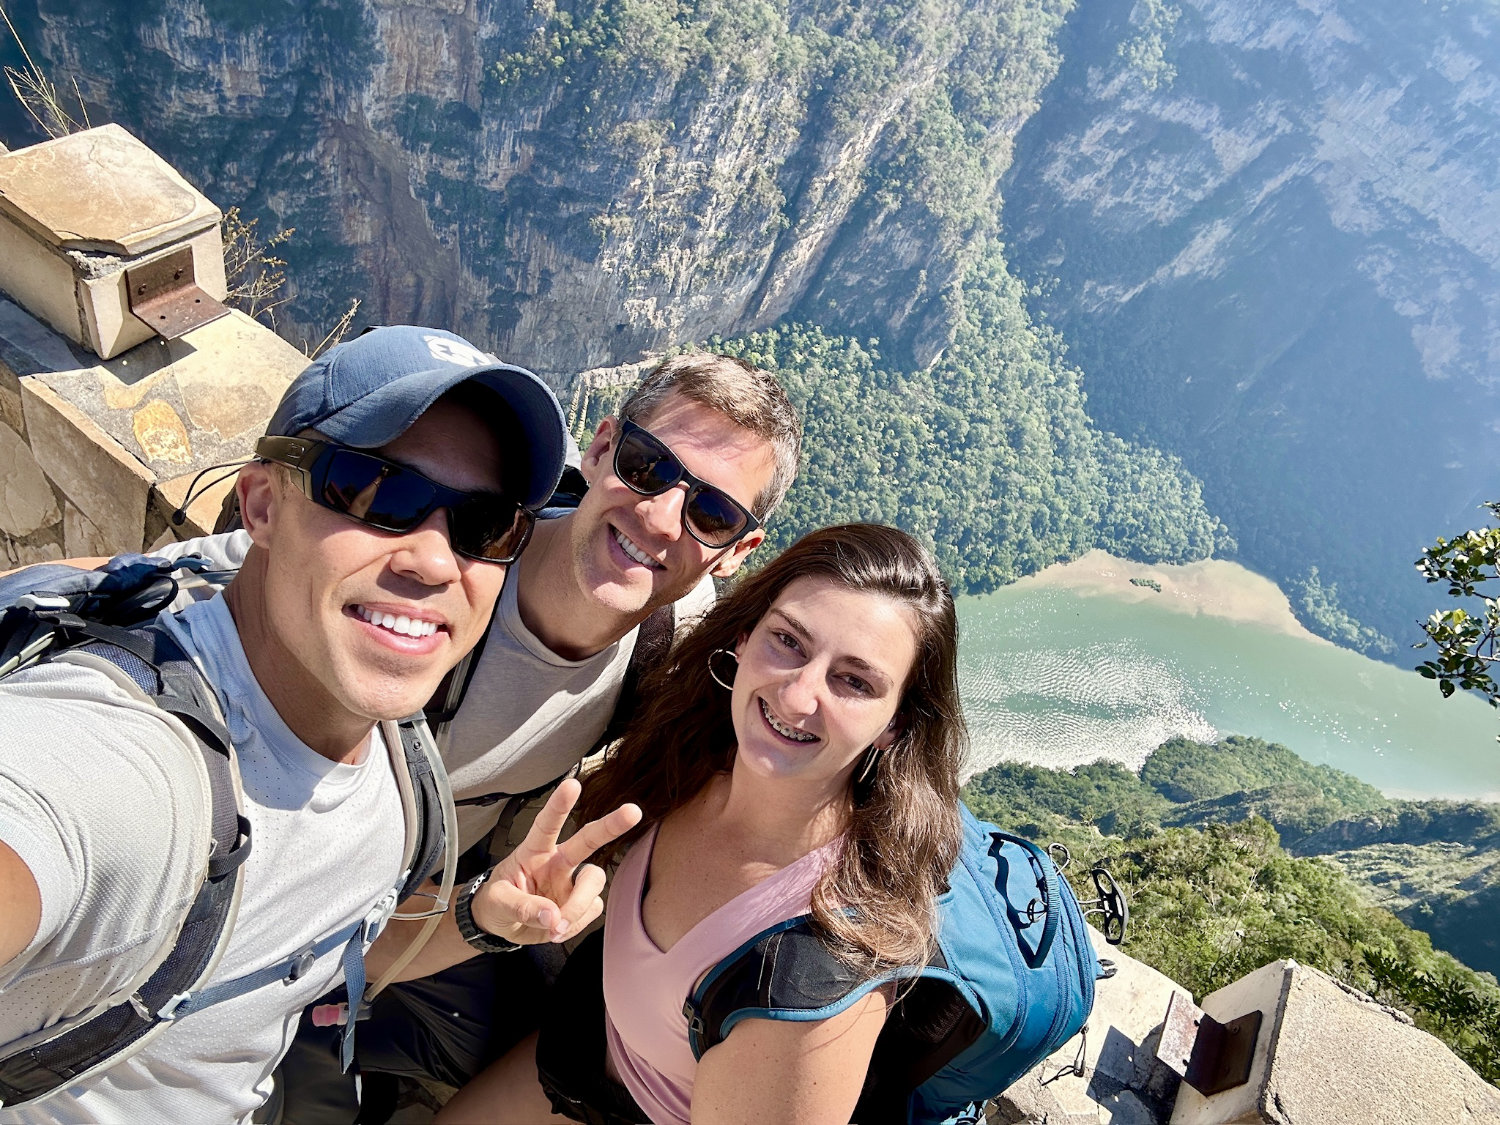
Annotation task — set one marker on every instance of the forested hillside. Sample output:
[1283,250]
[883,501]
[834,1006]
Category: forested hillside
[1238,853]
[988,455]
[574,182]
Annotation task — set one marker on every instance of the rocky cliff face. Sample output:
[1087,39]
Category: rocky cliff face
[1269,229]
[577,183]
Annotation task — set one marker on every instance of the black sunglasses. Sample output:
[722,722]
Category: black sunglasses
[710,515]
[391,497]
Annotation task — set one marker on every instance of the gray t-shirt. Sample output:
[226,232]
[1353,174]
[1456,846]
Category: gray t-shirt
[104,798]
[528,715]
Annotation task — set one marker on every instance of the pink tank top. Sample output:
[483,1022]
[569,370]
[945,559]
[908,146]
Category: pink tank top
[645,989]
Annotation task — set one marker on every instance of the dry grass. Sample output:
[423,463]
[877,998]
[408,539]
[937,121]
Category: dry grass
[38,95]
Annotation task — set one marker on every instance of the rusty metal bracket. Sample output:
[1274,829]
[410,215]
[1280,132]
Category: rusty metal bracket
[1209,1056]
[164,295]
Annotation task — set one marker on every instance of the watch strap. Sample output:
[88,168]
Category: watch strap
[468,929]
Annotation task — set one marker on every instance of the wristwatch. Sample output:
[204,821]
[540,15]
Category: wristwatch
[468,929]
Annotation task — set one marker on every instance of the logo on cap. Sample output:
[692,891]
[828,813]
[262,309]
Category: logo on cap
[456,351]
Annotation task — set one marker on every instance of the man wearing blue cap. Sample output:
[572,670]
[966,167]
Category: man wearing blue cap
[392,490]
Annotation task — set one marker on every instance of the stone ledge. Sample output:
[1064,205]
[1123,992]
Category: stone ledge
[1328,1054]
[96,456]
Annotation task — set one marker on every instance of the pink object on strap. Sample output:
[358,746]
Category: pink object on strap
[645,989]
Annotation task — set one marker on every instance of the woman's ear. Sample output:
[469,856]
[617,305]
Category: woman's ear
[892,731]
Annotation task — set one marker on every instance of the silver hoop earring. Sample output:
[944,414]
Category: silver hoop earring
[712,671]
[871,760]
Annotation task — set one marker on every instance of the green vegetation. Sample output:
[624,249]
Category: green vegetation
[1147,583]
[1465,640]
[1183,770]
[1146,52]
[1318,607]
[988,455]
[1214,901]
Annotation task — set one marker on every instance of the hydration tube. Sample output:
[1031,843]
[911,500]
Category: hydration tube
[450,869]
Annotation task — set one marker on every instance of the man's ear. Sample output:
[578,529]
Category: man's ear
[596,456]
[730,560]
[258,495]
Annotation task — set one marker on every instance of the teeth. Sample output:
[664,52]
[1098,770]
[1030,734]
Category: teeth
[782,729]
[406,626]
[634,552]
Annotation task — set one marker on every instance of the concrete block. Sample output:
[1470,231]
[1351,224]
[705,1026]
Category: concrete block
[40,279]
[1328,1054]
[109,326]
[101,190]
[106,484]
[26,498]
[77,212]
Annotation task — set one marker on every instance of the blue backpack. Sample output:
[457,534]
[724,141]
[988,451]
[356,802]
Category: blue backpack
[1011,980]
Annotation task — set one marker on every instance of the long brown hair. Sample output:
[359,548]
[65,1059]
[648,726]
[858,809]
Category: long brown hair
[903,836]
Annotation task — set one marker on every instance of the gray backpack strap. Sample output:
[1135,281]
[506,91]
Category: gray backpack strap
[61,1055]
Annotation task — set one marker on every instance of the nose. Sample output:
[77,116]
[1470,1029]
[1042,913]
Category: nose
[799,692]
[662,513]
[425,554]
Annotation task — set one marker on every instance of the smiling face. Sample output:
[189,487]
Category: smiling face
[352,624]
[630,553]
[820,678]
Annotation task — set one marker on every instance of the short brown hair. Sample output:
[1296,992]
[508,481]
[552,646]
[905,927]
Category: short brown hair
[748,396]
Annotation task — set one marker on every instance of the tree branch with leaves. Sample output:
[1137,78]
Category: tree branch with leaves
[1465,638]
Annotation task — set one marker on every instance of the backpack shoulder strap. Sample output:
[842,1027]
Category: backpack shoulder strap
[653,640]
[72,1050]
[430,798]
[785,972]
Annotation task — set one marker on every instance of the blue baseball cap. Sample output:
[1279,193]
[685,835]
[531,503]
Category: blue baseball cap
[368,391]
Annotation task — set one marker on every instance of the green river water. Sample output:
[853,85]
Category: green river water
[1058,678]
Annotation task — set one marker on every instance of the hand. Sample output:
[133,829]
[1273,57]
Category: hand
[544,891]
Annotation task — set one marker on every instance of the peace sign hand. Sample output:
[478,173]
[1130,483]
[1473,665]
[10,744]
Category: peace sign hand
[544,891]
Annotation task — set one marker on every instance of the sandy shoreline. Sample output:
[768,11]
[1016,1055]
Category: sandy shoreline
[1214,586]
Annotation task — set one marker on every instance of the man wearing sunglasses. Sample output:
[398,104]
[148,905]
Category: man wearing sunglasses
[396,484]
[679,485]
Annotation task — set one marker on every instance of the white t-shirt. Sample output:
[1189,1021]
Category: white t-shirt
[104,797]
[528,716]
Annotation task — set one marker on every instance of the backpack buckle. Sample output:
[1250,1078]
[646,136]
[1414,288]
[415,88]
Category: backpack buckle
[46,602]
[168,1011]
[299,965]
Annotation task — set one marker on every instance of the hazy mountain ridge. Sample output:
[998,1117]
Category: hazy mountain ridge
[1269,230]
